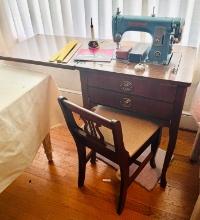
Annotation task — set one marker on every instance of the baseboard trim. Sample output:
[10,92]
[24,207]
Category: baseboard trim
[72,95]
[70,91]
[187,122]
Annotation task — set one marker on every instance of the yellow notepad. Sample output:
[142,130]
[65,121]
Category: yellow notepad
[61,54]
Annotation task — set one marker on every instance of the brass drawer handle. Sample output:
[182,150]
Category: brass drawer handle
[126,86]
[126,102]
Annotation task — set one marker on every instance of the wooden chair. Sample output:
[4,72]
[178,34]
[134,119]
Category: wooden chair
[105,137]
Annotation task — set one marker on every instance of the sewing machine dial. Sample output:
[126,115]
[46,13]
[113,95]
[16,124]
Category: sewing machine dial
[157,40]
[157,53]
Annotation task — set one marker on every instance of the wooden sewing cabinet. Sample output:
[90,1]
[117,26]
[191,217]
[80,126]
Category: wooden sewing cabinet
[158,92]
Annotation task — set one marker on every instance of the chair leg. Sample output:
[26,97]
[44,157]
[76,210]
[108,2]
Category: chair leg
[93,157]
[154,147]
[82,164]
[123,190]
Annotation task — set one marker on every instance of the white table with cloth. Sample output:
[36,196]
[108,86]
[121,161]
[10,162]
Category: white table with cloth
[28,109]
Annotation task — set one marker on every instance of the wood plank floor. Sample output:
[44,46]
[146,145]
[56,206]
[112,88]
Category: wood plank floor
[49,191]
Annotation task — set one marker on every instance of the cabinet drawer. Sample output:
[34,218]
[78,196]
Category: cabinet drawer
[157,109]
[148,88]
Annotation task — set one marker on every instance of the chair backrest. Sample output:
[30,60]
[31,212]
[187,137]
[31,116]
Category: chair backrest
[89,134]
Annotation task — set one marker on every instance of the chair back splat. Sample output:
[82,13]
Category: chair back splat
[95,132]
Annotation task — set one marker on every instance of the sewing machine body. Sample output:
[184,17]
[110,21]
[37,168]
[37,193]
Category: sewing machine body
[164,31]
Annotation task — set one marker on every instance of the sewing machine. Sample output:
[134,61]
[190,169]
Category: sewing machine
[164,31]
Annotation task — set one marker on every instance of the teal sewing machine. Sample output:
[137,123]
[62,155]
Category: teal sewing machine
[164,31]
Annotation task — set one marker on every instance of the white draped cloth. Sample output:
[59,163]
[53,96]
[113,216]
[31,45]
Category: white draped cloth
[28,109]
[195,156]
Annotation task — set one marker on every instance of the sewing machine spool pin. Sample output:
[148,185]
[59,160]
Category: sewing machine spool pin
[153,14]
[118,11]
[93,44]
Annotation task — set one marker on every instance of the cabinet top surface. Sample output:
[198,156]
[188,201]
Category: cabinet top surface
[40,48]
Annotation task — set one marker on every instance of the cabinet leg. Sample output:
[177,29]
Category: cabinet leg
[173,131]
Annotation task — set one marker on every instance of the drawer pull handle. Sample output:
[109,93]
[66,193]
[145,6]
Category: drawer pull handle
[126,86]
[126,102]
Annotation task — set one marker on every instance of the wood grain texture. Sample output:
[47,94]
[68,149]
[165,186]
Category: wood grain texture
[182,62]
[49,191]
[38,50]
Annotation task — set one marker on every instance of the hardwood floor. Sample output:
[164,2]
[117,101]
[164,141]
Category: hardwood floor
[49,191]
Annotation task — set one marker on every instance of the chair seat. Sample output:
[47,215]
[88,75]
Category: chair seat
[136,130]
